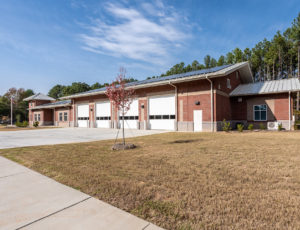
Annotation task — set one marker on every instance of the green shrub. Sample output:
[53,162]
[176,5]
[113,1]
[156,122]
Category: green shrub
[262,126]
[250,127]
[240,127]
[279,127]
[22,124]
[295,127]
[226,126]
[25,123]
[36,124]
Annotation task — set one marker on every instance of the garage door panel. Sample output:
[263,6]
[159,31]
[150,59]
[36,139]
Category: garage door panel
[131,117]
[162,105]
[162,124]
[162,112]
[103,114]
[83,115]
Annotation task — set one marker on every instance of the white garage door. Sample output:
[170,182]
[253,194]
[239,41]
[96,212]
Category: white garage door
[103,115]
[83,115]
[162,112]
[131,118]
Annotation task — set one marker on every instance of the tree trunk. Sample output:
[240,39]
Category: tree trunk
[299,59]
[123,131]
[273,70]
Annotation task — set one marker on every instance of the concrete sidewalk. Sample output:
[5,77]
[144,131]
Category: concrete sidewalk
[30,200]
[14,139]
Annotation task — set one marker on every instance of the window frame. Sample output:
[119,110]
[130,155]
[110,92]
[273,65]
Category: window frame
[260,112]
[60,116]
[228,83]
[65,116]
[39,117]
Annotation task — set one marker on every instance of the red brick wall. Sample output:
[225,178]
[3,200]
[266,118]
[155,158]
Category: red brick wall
[281,106]
[235,80]
[222,108]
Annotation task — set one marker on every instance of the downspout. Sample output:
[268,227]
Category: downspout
[74,113]
[176,107]
[289,110]
[211,103]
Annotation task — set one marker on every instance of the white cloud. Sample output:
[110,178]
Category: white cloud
[146,34]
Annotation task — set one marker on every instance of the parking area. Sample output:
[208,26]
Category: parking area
[64,135]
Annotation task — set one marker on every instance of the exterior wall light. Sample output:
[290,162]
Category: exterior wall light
[142,106]
[91,109]
[197,102]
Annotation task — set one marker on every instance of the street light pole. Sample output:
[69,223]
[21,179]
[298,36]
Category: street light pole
[11,111]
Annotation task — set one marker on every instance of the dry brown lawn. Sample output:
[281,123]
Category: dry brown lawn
[185,180]
[7,128]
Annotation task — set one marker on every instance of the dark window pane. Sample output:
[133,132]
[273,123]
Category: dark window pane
[172,116]
[257,115]
[166,116]
[151,117]
[263,115]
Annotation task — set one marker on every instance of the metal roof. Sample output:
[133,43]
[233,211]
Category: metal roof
[54,104]
[267,87]
[39,96]
[193,75]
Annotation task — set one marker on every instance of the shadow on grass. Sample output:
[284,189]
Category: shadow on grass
[184,141]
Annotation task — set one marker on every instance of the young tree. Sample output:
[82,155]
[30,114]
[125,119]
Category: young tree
[207,61]
[120,96]
[221,61]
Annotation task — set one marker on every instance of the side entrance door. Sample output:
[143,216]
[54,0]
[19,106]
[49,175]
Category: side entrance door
[197,120]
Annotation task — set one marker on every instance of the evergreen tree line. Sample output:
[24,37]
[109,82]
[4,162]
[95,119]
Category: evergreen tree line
[19,106]
[269,60]
[58,91]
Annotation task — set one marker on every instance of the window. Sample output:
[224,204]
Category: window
[60,116]
[260,112]
[228,83]
[39,117]
[35,117]
[65,116]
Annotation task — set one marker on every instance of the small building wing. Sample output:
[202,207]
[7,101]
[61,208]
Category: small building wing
[267,87]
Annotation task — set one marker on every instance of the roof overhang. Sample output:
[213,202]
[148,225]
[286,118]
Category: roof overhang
[50,106]
[243,68]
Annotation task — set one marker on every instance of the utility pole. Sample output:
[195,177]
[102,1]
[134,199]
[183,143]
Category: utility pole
[11,111]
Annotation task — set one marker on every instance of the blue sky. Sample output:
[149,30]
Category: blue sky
[49,42]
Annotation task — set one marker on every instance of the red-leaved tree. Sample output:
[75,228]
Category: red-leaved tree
[120,95]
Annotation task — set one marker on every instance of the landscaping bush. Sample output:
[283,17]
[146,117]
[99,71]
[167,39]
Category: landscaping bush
[22,124]
[36,124]
[226,126]
[262,126]
[250,127]
[25,123]
[240,127]
[279,127]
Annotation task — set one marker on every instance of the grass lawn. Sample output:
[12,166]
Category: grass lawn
[185,180]
[7,128]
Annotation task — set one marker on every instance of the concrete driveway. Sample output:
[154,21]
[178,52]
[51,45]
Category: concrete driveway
[12,139]
[30,201]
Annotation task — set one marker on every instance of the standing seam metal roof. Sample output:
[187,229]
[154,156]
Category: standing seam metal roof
[267,87]
[54,104]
